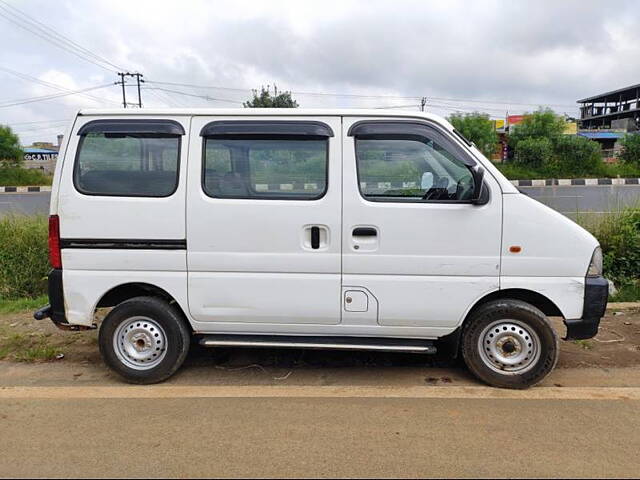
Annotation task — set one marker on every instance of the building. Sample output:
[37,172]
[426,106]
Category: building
[42,155]
[608,117]
[615,110]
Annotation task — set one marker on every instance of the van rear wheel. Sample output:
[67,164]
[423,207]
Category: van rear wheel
[144,340]
[509,344]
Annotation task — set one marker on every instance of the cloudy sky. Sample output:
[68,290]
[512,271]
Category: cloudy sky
[493,56]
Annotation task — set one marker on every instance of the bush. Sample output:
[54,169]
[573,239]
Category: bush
[574,155]
[23,256]
[534,152]
[543,123]
[478,128]
[619,237]
[630,154]
[16,176]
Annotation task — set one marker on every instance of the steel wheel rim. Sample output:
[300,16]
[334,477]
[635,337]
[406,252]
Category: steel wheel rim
[140,343]
[509,347]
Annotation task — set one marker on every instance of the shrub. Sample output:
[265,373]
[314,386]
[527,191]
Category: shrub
[619,237]
[23,256]
[574,155]
[534,152]
[630,154]
[16,176]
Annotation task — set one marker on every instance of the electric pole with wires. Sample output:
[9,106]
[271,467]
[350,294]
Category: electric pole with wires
[423,103]
[123,83]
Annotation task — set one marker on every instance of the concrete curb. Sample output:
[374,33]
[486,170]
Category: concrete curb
[565,182]
[32,189]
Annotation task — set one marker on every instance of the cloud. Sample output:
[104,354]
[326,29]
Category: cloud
[547,52]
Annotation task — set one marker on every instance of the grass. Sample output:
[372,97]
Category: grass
[19,177]
[514,171]
[23,256]
[627,293]
[22,304]
[584,344]
[26,348]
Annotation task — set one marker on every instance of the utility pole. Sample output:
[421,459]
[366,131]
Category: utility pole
[123,82]
[423,103]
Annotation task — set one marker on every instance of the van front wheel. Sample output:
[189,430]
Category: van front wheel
[144,340]
[509,344]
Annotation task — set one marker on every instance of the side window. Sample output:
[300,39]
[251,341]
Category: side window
[411,170]
[265,168]
[127,164]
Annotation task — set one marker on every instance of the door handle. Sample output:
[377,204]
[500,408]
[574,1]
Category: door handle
[365,232]
[315,238]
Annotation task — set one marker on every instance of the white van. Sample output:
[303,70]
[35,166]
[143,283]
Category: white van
[336,229]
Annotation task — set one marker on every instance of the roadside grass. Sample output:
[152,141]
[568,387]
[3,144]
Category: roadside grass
[26,347]
[627,293]
[22,177]
[23,256]
[514,171]
[584,344]
[22,304]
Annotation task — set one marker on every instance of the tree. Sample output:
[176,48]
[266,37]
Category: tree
[543,123]
[264,99]
[11,154]
[478,128]
[534,152]
[631,149]
[576,155]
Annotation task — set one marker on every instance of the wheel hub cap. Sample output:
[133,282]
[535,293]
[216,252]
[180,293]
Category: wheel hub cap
[140,343]
[509,347]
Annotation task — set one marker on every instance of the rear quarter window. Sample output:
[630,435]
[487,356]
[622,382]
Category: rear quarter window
[141,165]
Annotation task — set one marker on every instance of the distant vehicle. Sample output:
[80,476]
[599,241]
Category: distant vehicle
[301,228]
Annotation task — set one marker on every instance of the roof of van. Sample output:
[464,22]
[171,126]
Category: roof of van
[298,112]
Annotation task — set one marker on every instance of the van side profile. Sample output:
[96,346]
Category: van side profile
[336,229]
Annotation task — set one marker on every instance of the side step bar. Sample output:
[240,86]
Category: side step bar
[332,343]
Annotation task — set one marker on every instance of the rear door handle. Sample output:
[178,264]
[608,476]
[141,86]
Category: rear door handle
[315,238]
[365,232]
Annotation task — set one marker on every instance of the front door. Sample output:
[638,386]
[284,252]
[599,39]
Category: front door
[412,240]
[263,220]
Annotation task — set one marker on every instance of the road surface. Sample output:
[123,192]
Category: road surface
[567,200]
[366,423]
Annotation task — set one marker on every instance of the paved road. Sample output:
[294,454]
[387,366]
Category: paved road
[574,199]
[568,200]
[200,431]
[24,203]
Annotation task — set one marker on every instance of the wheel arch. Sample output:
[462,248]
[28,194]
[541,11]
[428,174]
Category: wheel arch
[451,342]
[126,291]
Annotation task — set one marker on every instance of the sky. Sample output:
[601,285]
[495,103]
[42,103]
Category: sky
[491,56]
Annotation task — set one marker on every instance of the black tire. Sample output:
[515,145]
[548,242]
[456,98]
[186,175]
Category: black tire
[533,339]
[164,322]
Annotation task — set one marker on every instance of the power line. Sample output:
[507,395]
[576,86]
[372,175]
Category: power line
[23,101]
[29,78]
[355,95]
[205,97]
[32,25]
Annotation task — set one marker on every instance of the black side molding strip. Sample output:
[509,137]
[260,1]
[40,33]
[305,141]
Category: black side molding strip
[123,244]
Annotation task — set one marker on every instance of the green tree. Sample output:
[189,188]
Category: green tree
[631,149]
[574,155]
[11,154]
[264,99]
[534,152]
[542,123]
[478,128]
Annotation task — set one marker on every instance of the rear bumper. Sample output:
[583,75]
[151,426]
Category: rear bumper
[55,310]
[596,294]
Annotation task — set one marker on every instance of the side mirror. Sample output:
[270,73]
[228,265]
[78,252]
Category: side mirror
[480,194]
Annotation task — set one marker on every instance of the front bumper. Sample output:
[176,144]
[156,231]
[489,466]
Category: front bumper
[596,294]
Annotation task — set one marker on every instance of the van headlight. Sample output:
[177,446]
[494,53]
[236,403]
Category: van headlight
[595,267]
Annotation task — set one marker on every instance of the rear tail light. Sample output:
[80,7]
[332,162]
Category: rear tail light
[55,256]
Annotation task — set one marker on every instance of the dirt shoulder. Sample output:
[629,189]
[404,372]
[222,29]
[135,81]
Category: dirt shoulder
[32,351]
